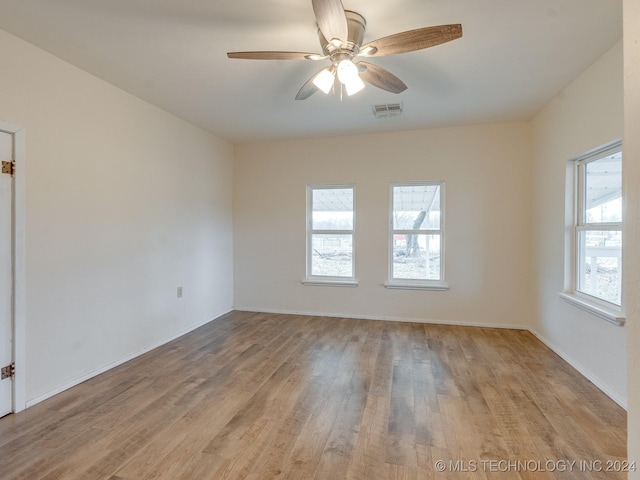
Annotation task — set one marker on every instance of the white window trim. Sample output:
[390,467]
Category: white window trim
[322,280]
[417,284]
[330,283]
[608,311]
[594,306]
[423,285]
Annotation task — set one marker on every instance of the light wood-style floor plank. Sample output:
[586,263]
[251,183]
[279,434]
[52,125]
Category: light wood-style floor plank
[263,396]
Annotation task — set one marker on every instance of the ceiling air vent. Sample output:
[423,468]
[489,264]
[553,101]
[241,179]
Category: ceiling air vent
[387,110]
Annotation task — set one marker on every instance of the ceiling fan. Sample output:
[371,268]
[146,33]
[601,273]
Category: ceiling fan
[341,34]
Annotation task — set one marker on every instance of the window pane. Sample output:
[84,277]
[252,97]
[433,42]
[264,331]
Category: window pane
[416,257]
[332,209]
[416,207]
[600,264]
[603,189]
[332,255]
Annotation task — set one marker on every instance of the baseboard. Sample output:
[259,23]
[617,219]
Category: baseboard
[108,367]
[381,318]
[583,371]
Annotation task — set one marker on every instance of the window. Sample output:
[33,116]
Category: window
[598,228]
[593,270]
[330,233]
[416,251]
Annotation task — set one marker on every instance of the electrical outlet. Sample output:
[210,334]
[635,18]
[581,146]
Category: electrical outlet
[179,292]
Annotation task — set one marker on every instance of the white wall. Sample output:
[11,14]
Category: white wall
[631,165]
[586,114]
[486,170]
[124,203]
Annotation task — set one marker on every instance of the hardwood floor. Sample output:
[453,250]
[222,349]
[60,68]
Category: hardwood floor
[263,396]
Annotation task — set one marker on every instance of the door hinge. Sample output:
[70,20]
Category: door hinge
[9,167]
[9,371]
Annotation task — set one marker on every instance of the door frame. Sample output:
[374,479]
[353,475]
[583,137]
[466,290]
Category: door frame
[19,273]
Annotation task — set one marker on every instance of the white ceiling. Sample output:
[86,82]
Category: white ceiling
[514,56]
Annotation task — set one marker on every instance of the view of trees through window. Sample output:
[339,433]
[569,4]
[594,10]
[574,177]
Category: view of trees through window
[416,232]
[416,236]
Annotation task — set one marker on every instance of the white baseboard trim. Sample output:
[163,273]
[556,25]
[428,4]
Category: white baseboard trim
[582,370]
[380,318]
[97,372]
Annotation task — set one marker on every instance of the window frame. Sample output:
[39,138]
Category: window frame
[325,280]
[576,224]
[417,284]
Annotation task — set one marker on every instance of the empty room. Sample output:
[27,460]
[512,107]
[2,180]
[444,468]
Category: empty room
[319,239]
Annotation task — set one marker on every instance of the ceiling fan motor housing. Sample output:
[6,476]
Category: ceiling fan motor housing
[356,26]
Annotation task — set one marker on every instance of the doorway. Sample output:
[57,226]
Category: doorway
[6,272]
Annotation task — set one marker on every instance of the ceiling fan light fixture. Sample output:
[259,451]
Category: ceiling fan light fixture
[324,80]
[347,71]
[354,86]
[348,76]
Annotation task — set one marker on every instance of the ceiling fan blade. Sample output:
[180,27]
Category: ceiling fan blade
[307,89]
[381,78]
[275,55]
[331,19]
[412,40]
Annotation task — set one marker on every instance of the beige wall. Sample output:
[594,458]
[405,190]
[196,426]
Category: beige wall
[485,169]
[632,226]
[586,114]
[124,203]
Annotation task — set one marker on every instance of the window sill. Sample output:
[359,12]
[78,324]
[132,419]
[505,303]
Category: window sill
[609,314]
[330,283]
[416,286]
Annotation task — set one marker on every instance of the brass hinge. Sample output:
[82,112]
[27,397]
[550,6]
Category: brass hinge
[9,371]
[9,167]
